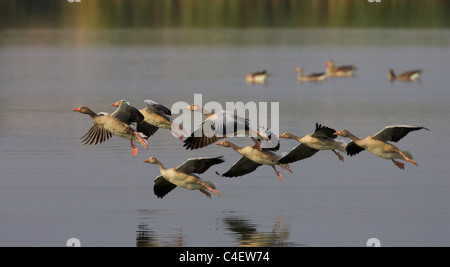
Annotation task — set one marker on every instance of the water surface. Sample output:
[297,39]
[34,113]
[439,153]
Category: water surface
[53,188]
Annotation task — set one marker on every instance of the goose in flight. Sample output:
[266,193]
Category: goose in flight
[128,114]
[218,126]
[378,144]
[322,138]
[105,125]
[160,116]
[184,176]
[252,158]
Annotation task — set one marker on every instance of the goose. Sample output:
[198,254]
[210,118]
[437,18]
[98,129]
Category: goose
[128,114]
[184,176]
[257,77]
[218,126]
[341,71]
[314,77]
[412,75]
[105,125]
[377,143]
[94,134]
[321,139]
[161,117]
[125,112]
[252,158]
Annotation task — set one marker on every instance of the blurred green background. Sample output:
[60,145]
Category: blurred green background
[224,13]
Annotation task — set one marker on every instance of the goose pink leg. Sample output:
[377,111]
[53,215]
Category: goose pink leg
[408,159]
[286,167]
[205,192]
[399,164]
[278,173]
[211,189]
[341,158]
[141,140]
[134,149]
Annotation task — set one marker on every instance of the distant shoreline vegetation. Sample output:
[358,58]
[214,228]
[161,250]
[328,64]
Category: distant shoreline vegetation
[225,14]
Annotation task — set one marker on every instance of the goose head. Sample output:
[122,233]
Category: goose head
[224,143]
[116,104]
[151,160]
[82,109]
[287,136]
[193,107]
[343,133]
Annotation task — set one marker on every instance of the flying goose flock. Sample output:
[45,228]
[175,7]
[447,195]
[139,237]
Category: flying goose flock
[137,125]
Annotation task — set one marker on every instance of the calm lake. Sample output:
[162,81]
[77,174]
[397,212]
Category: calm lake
[53,188]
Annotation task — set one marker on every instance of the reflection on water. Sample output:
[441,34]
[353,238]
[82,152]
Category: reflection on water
[150,234]
[146,237]
[246,233]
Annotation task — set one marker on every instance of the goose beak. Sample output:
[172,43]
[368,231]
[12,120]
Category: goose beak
[188,108]
[338,133]
[115,104]
[219,144]
[147,160]
[76,109]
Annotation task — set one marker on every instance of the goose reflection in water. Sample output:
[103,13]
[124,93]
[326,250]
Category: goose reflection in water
[248,235]
[146,237]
